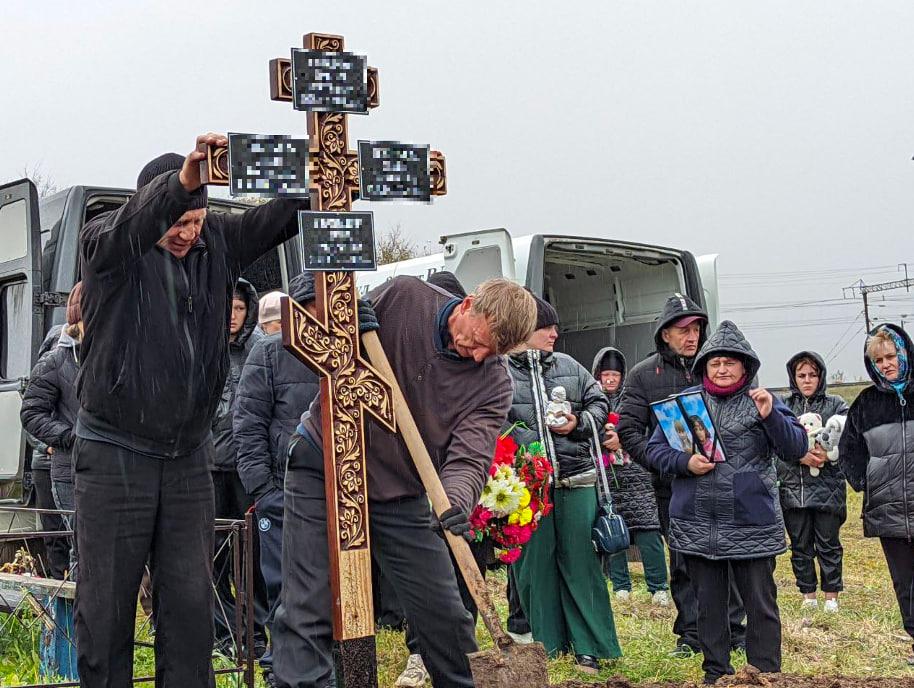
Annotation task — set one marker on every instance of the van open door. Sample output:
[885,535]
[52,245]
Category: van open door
[21,313]
[475,257]
[707,269]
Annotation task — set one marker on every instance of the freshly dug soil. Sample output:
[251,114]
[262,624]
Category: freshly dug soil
[751,678]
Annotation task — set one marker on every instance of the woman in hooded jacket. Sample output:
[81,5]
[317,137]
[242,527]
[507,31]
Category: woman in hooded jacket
[49,408]
[632,493]
[814,501]
[725,517]
[876,454]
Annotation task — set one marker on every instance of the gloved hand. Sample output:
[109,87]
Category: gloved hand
[455,520]
[368,321]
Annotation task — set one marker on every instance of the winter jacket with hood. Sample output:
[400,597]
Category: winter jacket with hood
[239,348]
[573,453]
[274,390]
[40,458]
[876,452]
[155,353]
[656,377]
[799,489]
[49,406]
[733,511]
[630,485]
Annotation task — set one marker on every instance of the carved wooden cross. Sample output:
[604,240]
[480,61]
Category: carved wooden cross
[328,342]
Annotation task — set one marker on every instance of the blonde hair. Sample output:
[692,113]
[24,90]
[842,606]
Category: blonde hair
[509,309]
[878,339]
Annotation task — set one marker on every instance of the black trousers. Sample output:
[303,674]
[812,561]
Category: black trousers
[268,511]
[754,578]
[899,555]
[231,501]
[685,626]
[815,535]
[132,507]
[413,557]
[56,548]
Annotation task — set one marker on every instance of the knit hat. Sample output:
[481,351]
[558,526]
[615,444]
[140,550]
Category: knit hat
[301,287]
[545,314]
[170,162]
[270,307]
[447,281]
[611,361]
[74,309]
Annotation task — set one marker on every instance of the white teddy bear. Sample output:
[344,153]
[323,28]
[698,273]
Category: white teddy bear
[812,424]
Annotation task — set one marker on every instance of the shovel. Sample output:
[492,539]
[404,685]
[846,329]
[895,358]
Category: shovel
[508,664]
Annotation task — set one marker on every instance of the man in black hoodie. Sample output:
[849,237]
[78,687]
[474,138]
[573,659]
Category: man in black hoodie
[158,278]
[681,331]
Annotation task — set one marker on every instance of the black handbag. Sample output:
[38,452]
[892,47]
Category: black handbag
[609,533]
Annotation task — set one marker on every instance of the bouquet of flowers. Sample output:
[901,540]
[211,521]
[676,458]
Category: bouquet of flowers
[515,497]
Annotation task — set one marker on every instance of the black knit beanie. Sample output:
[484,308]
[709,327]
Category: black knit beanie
[545,314]
[611,361]
[169,162]
[449,282]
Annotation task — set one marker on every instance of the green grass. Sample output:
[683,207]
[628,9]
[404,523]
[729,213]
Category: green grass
[864,639]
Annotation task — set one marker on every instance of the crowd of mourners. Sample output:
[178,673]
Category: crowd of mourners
[237,428]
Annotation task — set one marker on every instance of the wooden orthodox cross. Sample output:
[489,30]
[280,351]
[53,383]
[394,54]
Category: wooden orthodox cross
[328,342]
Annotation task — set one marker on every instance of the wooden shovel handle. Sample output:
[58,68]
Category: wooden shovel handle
[440,503]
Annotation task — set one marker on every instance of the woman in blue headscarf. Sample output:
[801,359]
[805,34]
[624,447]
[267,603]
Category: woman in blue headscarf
[876,453]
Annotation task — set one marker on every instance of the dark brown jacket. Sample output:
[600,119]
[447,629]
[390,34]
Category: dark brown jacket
[459,405]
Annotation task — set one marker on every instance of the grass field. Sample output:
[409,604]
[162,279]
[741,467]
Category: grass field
[865,639]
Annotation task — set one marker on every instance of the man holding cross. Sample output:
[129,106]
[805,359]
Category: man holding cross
[445,354]
[158,276]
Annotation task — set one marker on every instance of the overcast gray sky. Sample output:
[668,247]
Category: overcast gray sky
[778,134]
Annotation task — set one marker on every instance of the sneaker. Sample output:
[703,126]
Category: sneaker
[587,664]
[661,598]
[810,603]
[414,675]
[682,651]
[831,606]
[521,638]
[623,595]
[270,680]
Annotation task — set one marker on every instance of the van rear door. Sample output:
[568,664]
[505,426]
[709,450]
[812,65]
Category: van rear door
[21,314]
[475,257]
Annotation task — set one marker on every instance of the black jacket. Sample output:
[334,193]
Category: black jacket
[225,456]
[155,354]
[630,485]
[799,489]
[40,459]
[733,511]
[876,453]
[574,451]
[49,406]
[274,390]
[656,377]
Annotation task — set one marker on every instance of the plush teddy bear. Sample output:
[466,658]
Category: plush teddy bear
[812,424]
[829,436]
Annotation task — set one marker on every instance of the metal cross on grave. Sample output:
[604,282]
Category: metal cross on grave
[328,82]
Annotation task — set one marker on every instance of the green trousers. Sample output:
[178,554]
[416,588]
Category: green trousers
[650,544]
[561,584]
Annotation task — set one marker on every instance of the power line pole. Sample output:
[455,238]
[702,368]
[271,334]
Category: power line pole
[865,289]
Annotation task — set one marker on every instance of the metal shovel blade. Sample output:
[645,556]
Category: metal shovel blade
[510,666]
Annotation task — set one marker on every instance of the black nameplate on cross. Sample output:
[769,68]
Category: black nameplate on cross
[337,241]
[394,171]
[268,164]
[329,82]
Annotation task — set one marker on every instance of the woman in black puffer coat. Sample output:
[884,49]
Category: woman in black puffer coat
[558,577]
[49,408]
[632,493]
[725,518]
[814,505]
[876,453]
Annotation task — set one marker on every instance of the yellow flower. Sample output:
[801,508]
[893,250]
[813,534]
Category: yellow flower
[526,515]
[525,498]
